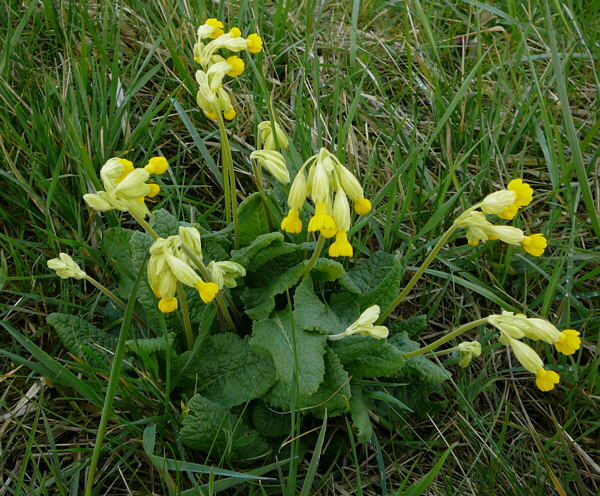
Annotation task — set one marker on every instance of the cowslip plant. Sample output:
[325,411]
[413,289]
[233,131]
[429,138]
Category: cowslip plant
[260,325]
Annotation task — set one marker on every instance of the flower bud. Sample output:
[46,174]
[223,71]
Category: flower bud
[65,267]
[274,162]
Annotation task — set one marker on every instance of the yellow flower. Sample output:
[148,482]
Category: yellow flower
[545,380]
[340,247]
[127,168]
[167,304]
[65,267]
[237,65]
[157,165]
[255,43]
[568,342]
[362,206]
[235,32]
[207,290]
[535,244]
[505,203]
[229,114]
[531,361]
[154,190]
[217,27]
[322,221]
[292,223]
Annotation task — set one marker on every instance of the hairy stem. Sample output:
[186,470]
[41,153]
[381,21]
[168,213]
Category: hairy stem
[227,161]
[315,256]
[444,339]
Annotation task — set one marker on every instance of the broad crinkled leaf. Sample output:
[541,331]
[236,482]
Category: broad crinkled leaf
[211,428]
[352,347]
[360,415]
[244,256]
[260,302]
[252,219]
[290,346]
[375,281]
[413,326]
[312,314]
[425,368]
[164,223]
[333,393]
[80,337]
[228,371]
[385,361]
[150,345]
[270,423]
[115,246]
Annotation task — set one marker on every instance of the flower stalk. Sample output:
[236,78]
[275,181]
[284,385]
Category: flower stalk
[229,185]
[444,339]
[315,256]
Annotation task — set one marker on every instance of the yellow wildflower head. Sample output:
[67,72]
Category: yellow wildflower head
[535,244]
[568,342]
[237,65]
[322,221]
[217,27]
[157,165]
[545,380]
[292,223]
[154,189]
[254,43]
[167,304]
[362,206]
[506,202]
[531,361]
[341,247]
[207,290]
[235,32]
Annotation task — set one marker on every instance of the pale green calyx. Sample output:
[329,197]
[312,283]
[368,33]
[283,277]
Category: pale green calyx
[272,161]
[468,350]
[223,274]
[65,267]
[364,326]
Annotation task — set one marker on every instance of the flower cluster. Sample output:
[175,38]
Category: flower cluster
[211,96]
[170,263]
[329,184]
[270,138]
[515,327]
[504,204]
[126,187]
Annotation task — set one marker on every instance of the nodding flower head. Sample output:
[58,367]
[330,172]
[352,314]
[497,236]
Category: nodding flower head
[506,202]
[66,267]
[126,187]
[329,184]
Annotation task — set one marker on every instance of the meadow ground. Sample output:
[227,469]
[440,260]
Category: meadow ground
[436,103]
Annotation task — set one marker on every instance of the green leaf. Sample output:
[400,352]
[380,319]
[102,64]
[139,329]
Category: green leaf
[115,246]
[360,415]
[211,428]
[80,337]
[245,255]
[164,223]
[351,348]
[252,219]
[375,281]
[270,423]
[312,314]
[150,345]
[291,346]
[423,484]
[413,326]
[425,368]
[332,395]
[260,302]
[384,362]
[227,371]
